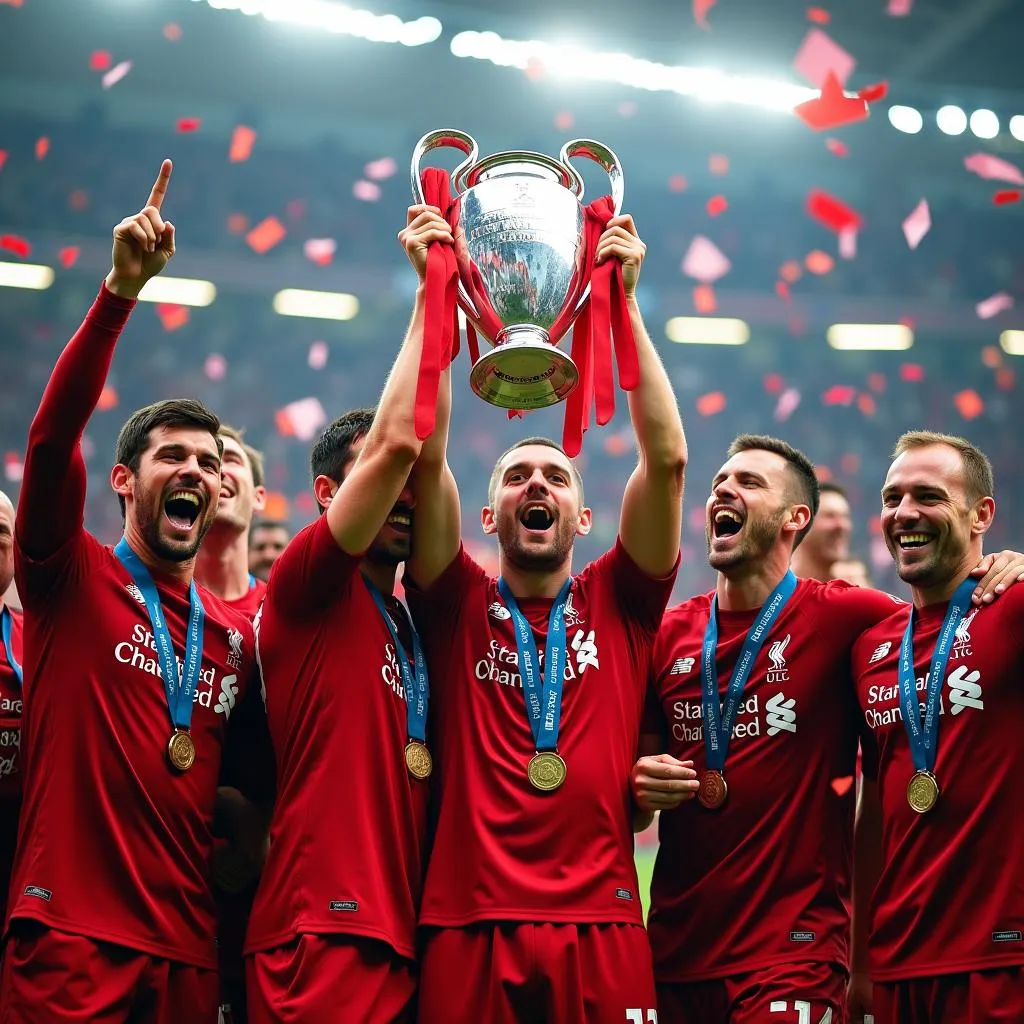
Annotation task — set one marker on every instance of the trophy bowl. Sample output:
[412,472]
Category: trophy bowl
[520,247]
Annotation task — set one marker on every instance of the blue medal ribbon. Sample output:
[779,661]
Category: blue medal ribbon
[417,687]
[543,697]
[924,736]
[180,689]
[6,622]
[252,582]
[718,722]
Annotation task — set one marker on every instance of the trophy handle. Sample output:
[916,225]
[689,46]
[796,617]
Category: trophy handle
[600,154]
[436,140]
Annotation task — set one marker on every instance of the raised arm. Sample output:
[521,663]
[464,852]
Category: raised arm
[52,501]
[652,506]
[370,491]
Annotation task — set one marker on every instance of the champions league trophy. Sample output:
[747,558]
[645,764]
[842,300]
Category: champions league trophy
[520,246]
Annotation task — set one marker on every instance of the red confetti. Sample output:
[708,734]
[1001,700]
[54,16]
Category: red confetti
[171,315]
[107,399]
[821,57]
[42,147]
[237,223]
[899,8]
[242,140]
[837,148]
[320,250]
[79,199]
[791,271]
[1007,195]
[188,124]
[677,183]
[564,120]
[12,3]
[773,383]
[100,60]
[876,381]
[265,235]
[818,262]
[14,468]
[68,256]
[874,93]
[718,165]
[172,32]
[866,404]
[700,12]
[717,205]
[832,108]
[912,372]
[992,357]
[711,404]
[782,290]
[3,158]
[616,444]
[818,15]
[1005,378]
[704,301]
[850,463]
[969,404]
[832,212]
[842,786]
[15,244]
[839,394]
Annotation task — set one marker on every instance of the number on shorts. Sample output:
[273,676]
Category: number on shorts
[637,1016]
[802,1008]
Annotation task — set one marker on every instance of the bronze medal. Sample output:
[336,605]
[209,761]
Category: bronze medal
[713,790]
[922,791]
[546,771]
[418,760]
[181,750]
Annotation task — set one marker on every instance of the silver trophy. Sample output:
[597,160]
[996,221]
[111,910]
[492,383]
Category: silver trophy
[519,244]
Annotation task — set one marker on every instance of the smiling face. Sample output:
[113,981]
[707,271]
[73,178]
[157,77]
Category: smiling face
[6,542]
[238,491]
[171,500]
[751,503]
[536,511]
[828,540]
[931,526]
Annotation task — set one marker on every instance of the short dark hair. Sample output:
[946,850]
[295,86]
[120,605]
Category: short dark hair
[267,524]
[254,455]
[133,440]
[831,487]
[979,481]
[333,447]
[806,488]
[492,486]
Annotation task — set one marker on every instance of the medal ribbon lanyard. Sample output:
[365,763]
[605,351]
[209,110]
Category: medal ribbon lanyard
[180,689]
[543,698]
[924,736]
[718,722]
[417,687]
[6,622]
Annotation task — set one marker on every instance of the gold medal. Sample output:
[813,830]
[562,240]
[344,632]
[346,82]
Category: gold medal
[713,790]
[181,750]
[546,771]
[418,760]
[922,791]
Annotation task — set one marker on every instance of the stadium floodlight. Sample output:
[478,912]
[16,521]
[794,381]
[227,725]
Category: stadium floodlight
[906,119]
[951,120]
[985,124]
[318,305]
[870,337]
[1017,127]
[707,330]
[567,60]
[181,291]
[25,275]
[1012,342]
[336,17]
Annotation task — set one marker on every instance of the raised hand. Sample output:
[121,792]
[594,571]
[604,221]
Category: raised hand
[621,241]
[424,225]
[143,243]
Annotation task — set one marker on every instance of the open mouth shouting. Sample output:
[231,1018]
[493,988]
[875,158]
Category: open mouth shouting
[182,509]
[725,522]
[400,519]
[536,517]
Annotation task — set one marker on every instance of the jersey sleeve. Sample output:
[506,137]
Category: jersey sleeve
[313,571]
[51,505]
[642,599]
[859,608]
[653,722]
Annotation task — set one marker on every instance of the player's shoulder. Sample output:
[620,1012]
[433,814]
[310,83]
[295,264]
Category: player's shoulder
[838,594]
[882,634]
[694,610]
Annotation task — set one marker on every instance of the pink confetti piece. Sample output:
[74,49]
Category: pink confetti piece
[378,170]
[704,261]
[3,158]
[837,148]
[917,224]
[787,404]
[172,32]
[115,74]
[301,419]
[848,243]
[993,169]
[320,250]
[215,367]
[242,141]
[994,305]
[842,785]
[564,120]
[899,8]
[14,467]
[700,12]
[818,55]
[318,353]
[366,191]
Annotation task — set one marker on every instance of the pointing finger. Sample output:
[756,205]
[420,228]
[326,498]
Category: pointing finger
[159,190]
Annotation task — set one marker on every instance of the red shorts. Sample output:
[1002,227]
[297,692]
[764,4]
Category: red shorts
[511,972]
[53,977]
[981,997]
[806,993]
[326,979]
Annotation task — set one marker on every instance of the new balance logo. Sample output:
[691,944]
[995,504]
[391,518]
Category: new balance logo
[964,690]
[780,714]
[226,700]
[586,650]
[682,666]
[135,592]
[880,652]
[499,611]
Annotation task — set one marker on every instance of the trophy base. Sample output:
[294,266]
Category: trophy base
[524,371]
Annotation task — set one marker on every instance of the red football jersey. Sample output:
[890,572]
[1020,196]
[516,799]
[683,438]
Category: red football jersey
[347,840]
[765,879]
[503,850]
[951,895]
[249,603]
[10,748]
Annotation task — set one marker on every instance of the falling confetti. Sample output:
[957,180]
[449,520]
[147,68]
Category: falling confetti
[68,256]
[317,358]
[704,300]
[917,224]
[874,93]
[1006,196]
[837,148]
[991,307]
[899,8]
[818,15]
[818,262]
[301,419]
[787,404]
[564,120]
[717,205]
[14,467]
[265,235]
[185,125]
[115,74]
[969,403]
[839,394]
[42,147]
[215,367]
[833,213]
[704,261]
[107,399]
[677,183]
[378,170]
[832,108]
[320,250]
[819,57]
[848,244]
[172,316]
[993,169]
[700,12]
[242,141]
[842,786]
[366,191]
[15,244]
[711,404]
[100,60]
[172,32]
[718,165]
[912,373]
